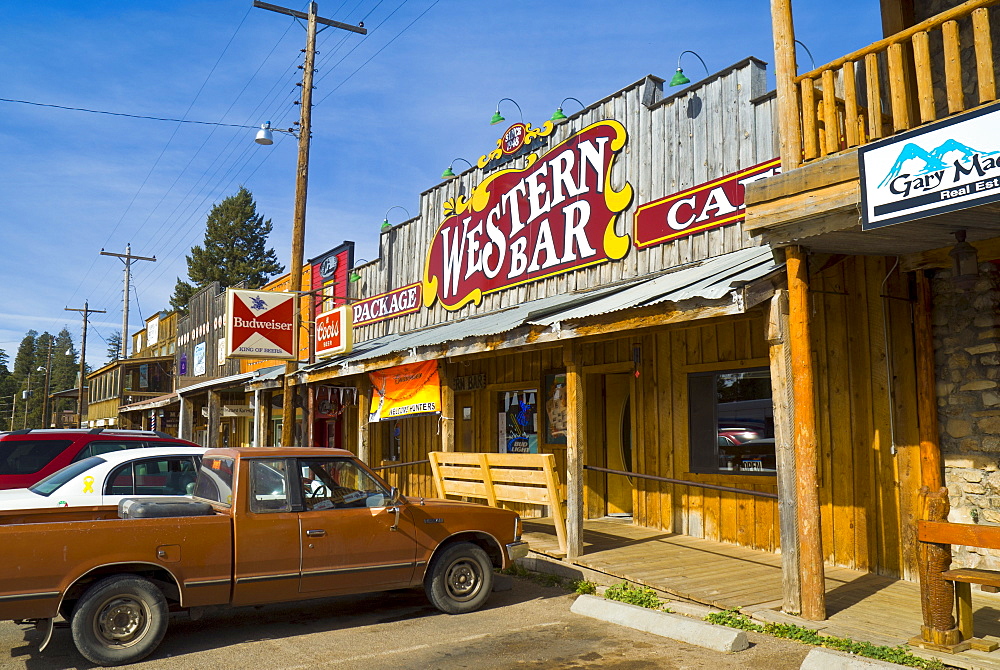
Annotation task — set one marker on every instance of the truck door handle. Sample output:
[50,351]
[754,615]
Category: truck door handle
[315,533]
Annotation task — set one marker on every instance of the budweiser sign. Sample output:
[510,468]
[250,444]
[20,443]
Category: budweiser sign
[397,302]
[260,324]
[333,332]
[555,215]
[706,206]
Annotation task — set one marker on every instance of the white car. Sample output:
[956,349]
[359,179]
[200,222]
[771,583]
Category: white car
[106,479]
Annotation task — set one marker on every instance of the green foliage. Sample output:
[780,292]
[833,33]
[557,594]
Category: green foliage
[38,357]
[114,343]
[234,250]
[634,594]
[900,655]
[583,587]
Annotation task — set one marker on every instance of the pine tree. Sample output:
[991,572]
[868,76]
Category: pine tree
[234,250]
[114,343]
[7,390]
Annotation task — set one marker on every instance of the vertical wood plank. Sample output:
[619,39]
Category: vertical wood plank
[953,66]
[984,55]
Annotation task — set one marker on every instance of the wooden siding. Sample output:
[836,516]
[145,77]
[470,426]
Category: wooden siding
[721,126]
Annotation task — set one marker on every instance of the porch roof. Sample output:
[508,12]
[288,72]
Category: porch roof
[715,280]
[150,403]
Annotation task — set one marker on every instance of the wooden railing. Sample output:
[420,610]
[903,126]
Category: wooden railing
[890,85]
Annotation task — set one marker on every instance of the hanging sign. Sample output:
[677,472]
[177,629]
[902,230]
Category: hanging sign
[555,215]
[405,390]
[939,168]
[397,302]
[260,324]
[706,206]
[334,334]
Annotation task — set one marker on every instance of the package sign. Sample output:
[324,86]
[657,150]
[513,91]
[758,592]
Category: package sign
[403,300]
[334,334]
[704,207]
[555,215]
[260,324]
[405,390]
[942,167]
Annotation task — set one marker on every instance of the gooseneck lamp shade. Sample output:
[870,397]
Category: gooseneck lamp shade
[449,173]
[558,116]
[355,276]
[264,134]
[679,79]
[497,118]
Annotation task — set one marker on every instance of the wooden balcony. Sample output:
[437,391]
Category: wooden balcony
[939,67]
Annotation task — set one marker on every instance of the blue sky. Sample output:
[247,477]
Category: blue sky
[393,109]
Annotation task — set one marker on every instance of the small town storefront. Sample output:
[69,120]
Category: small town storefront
[587,291]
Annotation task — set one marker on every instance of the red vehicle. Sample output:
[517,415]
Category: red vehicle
[29,456]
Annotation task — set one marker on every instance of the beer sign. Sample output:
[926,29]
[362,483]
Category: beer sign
[334,334]
[259,324]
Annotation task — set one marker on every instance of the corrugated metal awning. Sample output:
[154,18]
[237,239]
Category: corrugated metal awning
[152,403]
[713,279]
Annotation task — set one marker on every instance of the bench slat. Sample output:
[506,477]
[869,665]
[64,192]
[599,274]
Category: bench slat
[973,576]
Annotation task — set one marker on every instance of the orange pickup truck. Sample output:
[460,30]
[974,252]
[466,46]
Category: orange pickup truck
[264,525]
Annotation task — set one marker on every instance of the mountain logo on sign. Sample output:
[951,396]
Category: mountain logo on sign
[257,303]
[933,160]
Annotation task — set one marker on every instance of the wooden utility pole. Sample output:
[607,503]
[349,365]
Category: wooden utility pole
[811,573]
[301,186]
[127,259]
[83,355]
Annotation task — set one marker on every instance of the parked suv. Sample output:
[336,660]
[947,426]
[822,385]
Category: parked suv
[28,456]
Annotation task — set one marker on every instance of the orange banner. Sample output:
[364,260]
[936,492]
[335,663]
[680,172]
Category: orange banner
[405,390]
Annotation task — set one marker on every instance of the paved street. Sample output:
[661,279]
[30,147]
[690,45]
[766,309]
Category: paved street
[528,627]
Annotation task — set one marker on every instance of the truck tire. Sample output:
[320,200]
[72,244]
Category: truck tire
[460,579]
[119,619]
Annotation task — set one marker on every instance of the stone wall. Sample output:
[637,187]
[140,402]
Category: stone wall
[967,357]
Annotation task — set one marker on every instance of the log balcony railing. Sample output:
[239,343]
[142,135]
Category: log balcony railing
[901,82]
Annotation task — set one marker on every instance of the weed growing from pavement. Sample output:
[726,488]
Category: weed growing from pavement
[736,619]
[546,579]
[634,594]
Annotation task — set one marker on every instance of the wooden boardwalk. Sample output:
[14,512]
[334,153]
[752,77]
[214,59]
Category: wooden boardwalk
[860,605]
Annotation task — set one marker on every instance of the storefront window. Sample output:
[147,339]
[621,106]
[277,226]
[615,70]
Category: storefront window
[518,422]
[731,422]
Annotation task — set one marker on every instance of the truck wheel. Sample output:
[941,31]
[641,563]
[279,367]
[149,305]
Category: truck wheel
[460,579]
[120,619]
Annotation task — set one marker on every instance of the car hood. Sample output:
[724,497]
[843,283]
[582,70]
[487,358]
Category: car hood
[24,499]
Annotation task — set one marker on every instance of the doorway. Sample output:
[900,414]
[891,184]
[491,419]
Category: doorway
[618,444]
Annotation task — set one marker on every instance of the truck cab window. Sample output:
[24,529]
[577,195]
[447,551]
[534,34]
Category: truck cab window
[339,483]
[269,486]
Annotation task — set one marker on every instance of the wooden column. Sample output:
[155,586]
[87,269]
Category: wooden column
[185,420]
[364,451]
[268,430]
[784,449]
[575,451]
[789,126]
[447,408]
[258,421]
[811,574]
[214,419]
[930,451]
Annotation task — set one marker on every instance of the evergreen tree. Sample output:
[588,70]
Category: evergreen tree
[7,390]
[234,250]
[64,369]
[114,343]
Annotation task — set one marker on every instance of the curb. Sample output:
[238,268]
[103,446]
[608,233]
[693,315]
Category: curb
[674,626]
[830,659]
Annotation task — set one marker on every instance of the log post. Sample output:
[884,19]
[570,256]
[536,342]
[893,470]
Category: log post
[447,418]
[789,126]
[930,451]
[575,445]
[811,572]
[937,594]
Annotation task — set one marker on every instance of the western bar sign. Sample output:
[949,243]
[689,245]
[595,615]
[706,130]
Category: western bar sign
[939,168]
[710,205]
[259,324]
[555,215]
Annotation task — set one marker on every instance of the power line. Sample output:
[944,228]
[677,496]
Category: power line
[133,116]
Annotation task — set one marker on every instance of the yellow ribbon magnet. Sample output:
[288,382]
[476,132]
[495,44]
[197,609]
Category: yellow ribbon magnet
[88,484]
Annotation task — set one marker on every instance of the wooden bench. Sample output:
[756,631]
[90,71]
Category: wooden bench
[964,578]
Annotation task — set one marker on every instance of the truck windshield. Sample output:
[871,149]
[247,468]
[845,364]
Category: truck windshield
[215,480]
[57,479]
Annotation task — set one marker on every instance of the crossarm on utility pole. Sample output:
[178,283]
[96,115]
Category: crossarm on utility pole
[301,15]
